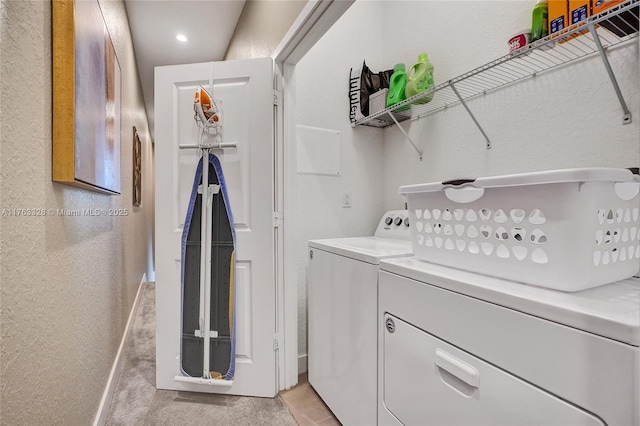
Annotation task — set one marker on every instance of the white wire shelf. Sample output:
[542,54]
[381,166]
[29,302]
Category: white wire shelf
[612,27]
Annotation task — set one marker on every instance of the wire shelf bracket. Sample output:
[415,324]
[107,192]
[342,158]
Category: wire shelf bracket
[473,117]
[413,144]
[626,118]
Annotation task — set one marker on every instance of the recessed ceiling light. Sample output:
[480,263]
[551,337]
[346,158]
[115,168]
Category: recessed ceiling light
[181,37]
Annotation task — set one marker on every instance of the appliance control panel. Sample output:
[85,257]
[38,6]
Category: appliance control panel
[394,224]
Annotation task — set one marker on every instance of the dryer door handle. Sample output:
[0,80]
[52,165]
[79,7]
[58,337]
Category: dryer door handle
[459,369]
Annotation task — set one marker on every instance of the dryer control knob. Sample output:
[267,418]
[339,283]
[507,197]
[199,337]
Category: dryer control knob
[406,221]
[388,220]
[398,221]
[391,326]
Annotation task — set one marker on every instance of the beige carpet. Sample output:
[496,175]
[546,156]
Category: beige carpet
[138,402]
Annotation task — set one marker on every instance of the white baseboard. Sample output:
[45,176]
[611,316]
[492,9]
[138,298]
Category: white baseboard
[303,363]
[110,388]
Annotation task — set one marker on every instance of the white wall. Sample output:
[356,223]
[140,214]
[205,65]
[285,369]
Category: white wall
[261,27]
[322,101]
[569,117]
[68,283]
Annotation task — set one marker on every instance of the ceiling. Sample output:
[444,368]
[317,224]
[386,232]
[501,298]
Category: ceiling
[208,26]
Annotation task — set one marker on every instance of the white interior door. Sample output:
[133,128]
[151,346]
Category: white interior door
[246,90]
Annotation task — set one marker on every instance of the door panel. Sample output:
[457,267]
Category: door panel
[243,311]
[245,89]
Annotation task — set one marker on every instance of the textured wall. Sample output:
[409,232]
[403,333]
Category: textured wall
[67,283]
[261,27]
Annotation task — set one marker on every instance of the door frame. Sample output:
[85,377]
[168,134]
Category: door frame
[312,23]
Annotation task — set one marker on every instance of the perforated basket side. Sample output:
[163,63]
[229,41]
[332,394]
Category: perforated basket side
[544,235]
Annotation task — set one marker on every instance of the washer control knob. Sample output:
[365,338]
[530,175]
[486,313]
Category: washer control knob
[388,220]
[406,221]
[398,221]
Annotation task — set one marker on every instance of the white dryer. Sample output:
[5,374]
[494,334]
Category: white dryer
[458,348]
[342,301]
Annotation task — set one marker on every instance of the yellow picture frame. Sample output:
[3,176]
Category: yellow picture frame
[137,169]
[86,99]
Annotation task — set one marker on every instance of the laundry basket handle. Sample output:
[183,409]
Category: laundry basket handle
[462,190]
[458,182]
[628,190]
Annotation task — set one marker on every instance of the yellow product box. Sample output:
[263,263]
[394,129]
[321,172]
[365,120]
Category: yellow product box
[579,11]
[558,15]
[600,5]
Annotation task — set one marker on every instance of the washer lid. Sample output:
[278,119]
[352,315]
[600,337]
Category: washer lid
[365,249]
[611,310]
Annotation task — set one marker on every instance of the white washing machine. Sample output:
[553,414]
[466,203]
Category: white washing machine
[343,301]
[457,348]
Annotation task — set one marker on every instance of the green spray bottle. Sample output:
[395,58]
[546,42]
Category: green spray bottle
[540,21]
[397,85]
[420,79]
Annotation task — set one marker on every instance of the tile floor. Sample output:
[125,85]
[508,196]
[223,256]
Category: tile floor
[306,406]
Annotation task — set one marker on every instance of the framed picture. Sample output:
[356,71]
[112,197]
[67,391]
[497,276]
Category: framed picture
[137,169]
[86,98]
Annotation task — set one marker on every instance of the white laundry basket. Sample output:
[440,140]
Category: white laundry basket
[567,229]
